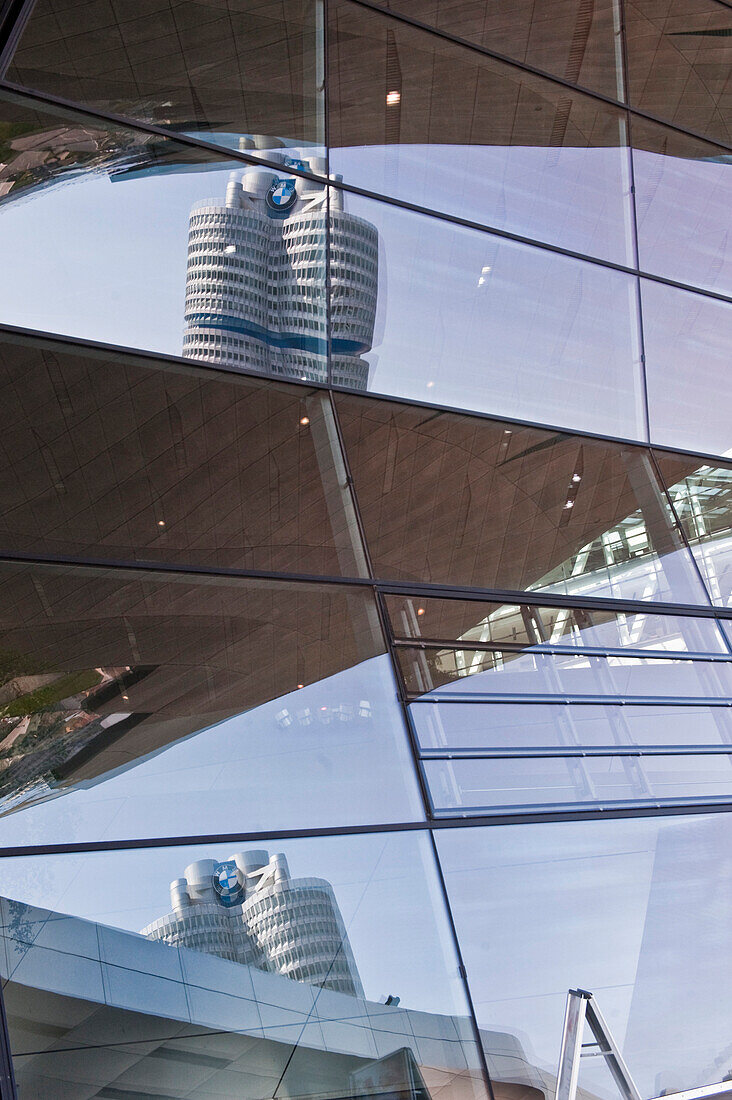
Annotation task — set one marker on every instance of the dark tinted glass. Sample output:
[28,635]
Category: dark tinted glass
[492,726]
[137,704]
[683,193]
[302,968]
[680,61]
[478,786]
[499,624]
[687,344]
[702,498]
[134,252]
[450,498]
[575,41]
[126,458]
[633,911]
[244,75]
[468,319]
[477,138]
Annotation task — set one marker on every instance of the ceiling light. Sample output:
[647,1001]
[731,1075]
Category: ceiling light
[392,98]
[301,685]
[161,523]
[576,478]
[569,504]
[420,611]
[304,420]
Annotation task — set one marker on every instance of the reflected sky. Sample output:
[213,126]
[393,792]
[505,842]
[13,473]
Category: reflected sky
[334,751]
[635,911]
[463,318]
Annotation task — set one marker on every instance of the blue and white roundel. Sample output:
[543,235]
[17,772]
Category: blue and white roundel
[281,195]
[227,883]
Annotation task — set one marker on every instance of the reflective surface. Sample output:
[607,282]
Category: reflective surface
[478,786]
[245,76]
[456,672]
[577,42]
[683,191]
[702,500]
[124,698]
[131,460]
[476,321]
[480,139]
[96,1006]
[501,624]
[531,725]
[679,63]
[634,911]
[687,340]
[576,515]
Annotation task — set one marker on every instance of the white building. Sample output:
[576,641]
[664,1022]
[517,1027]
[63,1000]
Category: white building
[256,278]
[249,910]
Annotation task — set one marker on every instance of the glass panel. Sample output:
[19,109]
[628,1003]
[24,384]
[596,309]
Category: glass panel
[138,705]
[522,624]
[575,41]
[679,63]
[456,672]
[553,725]
[703,502]
[634,911]
[245,75]
[311,968]
[131,250]
[462,500]
[471,786]
[470,319]
[479,139]
[687,342]
[125,458]
[682,240]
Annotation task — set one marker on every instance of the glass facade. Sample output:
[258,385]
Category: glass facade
[365,550]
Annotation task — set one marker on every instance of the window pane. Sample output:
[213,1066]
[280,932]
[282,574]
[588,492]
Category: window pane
[702,499]
[133,252]
[470,319]
[126,458]
[456,672]
[523,624]
[527,725]
[479,139]
[305,968]
[462,500]
[679,63]
[687,340]
[473,786]
[682,239]
[143,705]
[575,41]
[247,76]
[634,911]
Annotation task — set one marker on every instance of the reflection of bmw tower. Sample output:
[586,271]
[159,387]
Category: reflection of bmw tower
[255,291]
[249,910]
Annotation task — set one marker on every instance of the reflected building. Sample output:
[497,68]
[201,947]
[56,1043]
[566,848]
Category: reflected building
[248,909]
[256,286]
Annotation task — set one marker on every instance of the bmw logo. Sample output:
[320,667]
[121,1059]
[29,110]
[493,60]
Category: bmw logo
[281,195]
[227,883]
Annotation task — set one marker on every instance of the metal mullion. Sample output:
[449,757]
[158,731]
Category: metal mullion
[547,649]
[164,360]
[350,188]
[459,698]
[571,751]
[448,821]
[602,807]
[462,968]
[542,73]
